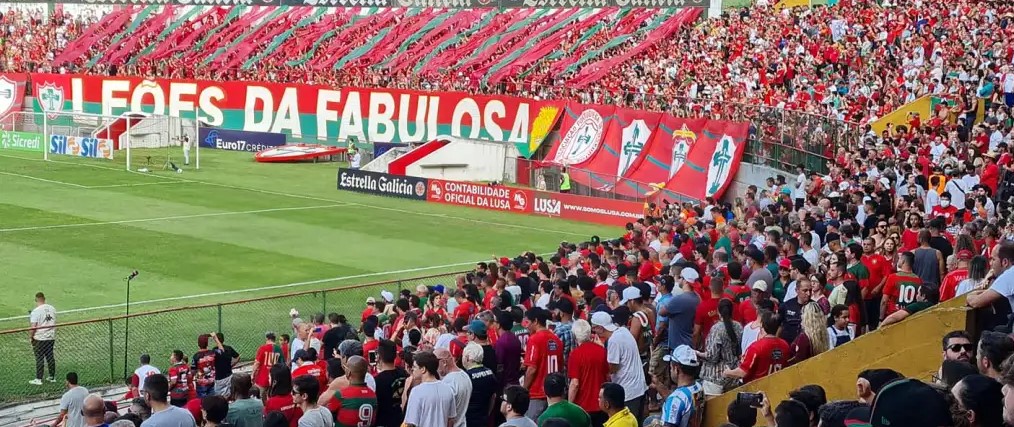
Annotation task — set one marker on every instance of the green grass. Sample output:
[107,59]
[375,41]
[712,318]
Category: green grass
[74,228]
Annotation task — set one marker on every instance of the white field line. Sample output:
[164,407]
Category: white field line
[166,218]
[138,184]
[263,288]
[50,181]
[319,199]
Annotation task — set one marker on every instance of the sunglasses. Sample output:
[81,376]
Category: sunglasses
[957,347]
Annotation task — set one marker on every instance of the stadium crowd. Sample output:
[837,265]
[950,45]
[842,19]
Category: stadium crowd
[690,302]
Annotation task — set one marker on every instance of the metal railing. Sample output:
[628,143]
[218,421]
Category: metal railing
[96,349]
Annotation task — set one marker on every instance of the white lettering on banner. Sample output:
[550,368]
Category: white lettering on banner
[547,206]
[382,184]
[381,116]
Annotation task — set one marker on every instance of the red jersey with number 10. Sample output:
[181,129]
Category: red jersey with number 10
[544,352]
[764,357]
[268,355]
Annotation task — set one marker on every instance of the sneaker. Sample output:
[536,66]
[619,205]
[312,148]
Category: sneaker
[51,379]
[35,382]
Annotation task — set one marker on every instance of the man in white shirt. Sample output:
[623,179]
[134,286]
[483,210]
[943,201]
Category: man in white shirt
[356,159]
[72,404]
[43,338]
[799,193]
[624,361]
[458,380]
[430,401]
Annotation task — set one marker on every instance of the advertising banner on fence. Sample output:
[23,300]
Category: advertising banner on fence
[382,184]
[96,148]
[12,92]
[484,196]
[21,141]
[587,209]
[239,140]
[307,113]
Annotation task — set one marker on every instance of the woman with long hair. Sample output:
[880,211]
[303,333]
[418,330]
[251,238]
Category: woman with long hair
[854,302]
[890,250]
[977,270]
[910,237]
[721,351]
[813,339]
[279,396]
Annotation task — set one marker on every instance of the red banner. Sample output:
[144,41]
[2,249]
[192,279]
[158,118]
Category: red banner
[498,198]
[307,111]
[12,92]
[587,209]
[637,152]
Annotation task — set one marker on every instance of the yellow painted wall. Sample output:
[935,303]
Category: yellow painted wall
[923,106]
[911,347]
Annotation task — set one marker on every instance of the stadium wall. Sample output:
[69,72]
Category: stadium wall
[911,347]
[464,160]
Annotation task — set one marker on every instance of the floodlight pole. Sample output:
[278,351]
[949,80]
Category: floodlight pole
[126,327]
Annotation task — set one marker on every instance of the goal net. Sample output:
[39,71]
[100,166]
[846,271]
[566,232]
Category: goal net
[144,142]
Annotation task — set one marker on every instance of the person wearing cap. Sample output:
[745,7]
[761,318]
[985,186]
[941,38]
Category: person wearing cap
[680,312]
[624,360]
[559,407]
[305,362]
[371,309]
[910,402]
[949,285]
[746,311]
[683,407]
[642,324]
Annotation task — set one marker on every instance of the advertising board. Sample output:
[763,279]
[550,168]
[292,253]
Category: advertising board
[382,184]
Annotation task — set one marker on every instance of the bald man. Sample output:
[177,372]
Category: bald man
[348,399]
[458,380]
[94,410]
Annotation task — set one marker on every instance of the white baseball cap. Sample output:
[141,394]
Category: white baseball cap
[629,293]
[604,320]
[388,296]
[684,355]
[760,285]
[689,274]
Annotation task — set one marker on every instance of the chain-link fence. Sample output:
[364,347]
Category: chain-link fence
[103,351]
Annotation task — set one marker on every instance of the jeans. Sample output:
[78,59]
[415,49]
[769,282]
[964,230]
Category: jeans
[44,356]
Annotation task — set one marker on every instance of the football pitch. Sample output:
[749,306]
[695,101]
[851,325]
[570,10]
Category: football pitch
[74,228]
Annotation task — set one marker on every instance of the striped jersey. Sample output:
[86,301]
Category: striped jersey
[684,407]
[354,406]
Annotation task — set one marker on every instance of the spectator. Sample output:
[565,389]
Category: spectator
[841,330]
[559,407]
[351,403]
[181,382]
[514,407]
[72,403]
[683,406]
[390,383]
[953,371]
[624,361]
[141,374]
[203,367]
[767,355]
[721,351]
[156,394]
[42,335]
[430,401]
[484,386]
[279,397]
[811,341]
[305,393]
[980,399]
[267,355]
[458,381]
[245,410]
[543,354]
[225,358]
[1003,284]
[926,298]
[214,410]
[612,401]
[93,411]
[588,370]
[680,311]
[508,351]
[993,349]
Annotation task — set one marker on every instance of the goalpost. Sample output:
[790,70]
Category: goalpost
[146,142]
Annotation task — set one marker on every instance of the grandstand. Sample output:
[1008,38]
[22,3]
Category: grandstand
[853,161]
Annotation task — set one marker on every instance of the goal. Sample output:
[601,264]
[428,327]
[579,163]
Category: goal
[145,142]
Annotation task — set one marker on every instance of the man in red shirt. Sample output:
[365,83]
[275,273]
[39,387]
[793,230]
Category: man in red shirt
[306,361]
[949,285]
[267,355]
[990,173]
[646,271]
[371,305]
[707,312]
[181,383]
[879,268]
[353,404]
[370,345]
[767,355]
[945,209]
[543,356]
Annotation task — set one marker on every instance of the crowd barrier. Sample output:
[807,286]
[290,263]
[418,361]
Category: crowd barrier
[105,351]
